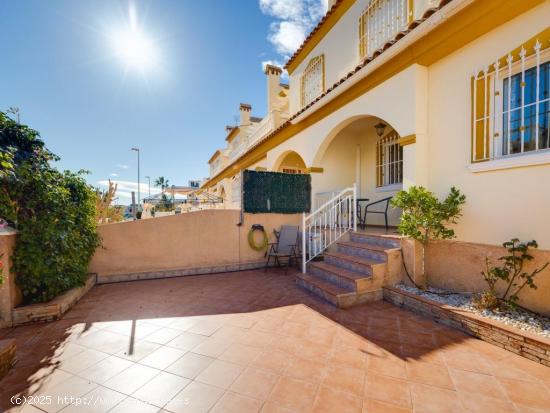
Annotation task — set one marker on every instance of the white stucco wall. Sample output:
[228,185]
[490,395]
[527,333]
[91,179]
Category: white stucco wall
[503,203]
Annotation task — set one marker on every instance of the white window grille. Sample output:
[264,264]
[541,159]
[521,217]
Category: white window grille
[380,22]
[511,104]
[389,160]
[313,80]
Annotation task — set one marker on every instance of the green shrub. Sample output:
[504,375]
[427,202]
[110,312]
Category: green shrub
[511,273]
[53,212]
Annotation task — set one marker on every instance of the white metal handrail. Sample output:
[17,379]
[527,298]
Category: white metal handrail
[328,223]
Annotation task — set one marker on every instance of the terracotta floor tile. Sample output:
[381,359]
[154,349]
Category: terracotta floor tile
[306,369]
[240,354]
[131,379]
[274,360]
[82,361]
[161,389]
[273,330]
[529,394]
[131,405]
[345,378]
[195,398]
[387,366]
[105,369]
[432,374]
[190,365]
[212,347]
[376,406]
[330,400]
[478,403]
[349,356]
[270,407]
[431,399]
[220,373]
[237,403]
[137,350]
[469,383]
[255,383]
[186,341]
[163,335]
[294,394]
[388,389]
[468,361]
[162,357]
[99,400]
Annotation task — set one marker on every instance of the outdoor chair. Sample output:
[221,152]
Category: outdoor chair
[284,248]
[384,211]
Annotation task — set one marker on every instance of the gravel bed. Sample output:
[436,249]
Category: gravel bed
[522,319]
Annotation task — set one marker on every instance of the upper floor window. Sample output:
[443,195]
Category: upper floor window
[389,160]
[511,104]
[312,82]
[380,22]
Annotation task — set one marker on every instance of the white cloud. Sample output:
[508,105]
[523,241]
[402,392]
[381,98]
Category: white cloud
[121,166]
[125,188]
[275,63]
[294,19]
[114,175]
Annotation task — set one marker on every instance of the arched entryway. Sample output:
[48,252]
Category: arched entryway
[290,162]
[364,150]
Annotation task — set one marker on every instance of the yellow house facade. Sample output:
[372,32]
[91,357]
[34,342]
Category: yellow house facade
[387,94]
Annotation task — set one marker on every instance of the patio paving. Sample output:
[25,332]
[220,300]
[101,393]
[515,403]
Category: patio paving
[255,342]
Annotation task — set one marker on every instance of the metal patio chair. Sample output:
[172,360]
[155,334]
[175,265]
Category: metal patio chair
[284,248]
[384,212]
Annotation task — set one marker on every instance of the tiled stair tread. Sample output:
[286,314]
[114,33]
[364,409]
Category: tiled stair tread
[342,272]
[385,238]
[364,245]
[326,286]
[354,258]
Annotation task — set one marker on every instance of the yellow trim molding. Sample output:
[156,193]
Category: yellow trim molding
[261,169]
[232,134]
[315,38]
[469,24]
[216,154]
[407,140]
[315,170]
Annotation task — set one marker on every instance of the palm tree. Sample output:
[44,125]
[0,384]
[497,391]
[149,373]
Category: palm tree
[162,182]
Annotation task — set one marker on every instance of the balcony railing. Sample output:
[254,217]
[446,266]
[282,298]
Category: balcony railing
[380,22]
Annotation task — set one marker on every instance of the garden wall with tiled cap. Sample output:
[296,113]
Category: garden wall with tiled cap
[531,346]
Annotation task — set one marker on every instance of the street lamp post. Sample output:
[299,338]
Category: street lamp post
[139,183]
[149,179]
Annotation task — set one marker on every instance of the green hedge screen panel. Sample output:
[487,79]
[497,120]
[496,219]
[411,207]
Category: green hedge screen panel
[276,192]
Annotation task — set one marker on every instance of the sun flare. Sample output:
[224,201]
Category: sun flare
[132,46]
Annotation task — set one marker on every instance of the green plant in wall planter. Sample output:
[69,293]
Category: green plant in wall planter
[511,272]
[53,212]
[425,218]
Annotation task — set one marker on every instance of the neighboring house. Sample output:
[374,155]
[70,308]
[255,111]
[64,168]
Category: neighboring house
[393,93]
[249,133]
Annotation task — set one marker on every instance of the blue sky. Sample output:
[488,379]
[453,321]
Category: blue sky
[61,67]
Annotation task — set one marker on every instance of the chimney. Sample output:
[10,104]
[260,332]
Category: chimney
[273,74]
[228,128]
[245,110]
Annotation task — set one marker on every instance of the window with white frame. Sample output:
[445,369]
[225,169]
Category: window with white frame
[511,104]
[380,22]
[389,160]
[312,81]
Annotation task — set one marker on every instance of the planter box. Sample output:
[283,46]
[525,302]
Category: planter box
[7,356]
[54,309]
[528,345]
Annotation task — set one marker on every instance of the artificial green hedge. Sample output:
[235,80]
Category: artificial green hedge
[276,192]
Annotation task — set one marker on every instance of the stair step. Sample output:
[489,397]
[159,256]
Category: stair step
[338,296]
[375,252]
[351,262]
[330,292]
[386,241]
[340,276]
